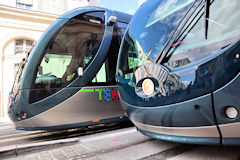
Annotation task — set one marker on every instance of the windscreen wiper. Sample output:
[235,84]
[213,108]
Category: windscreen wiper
[207,12]
[207,9]
[161,55]
[178,40]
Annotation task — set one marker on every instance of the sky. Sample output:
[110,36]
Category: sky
[127,6]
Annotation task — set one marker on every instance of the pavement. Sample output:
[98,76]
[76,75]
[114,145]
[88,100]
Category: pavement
[121,144]
[5,119]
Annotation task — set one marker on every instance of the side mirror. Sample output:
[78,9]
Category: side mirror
[112,20]
[80,71]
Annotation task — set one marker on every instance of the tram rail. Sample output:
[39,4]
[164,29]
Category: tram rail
[11,137]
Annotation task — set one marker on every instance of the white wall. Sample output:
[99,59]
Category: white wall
[9,58]
[71,4]
[8,2]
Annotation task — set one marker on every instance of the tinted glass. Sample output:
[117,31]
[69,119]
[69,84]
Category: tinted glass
[193,45]
[149,30]
[101,75]
[106,74]
[121,29]
[72,47]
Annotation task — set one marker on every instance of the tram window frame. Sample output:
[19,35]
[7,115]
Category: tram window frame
[110,61]
[122,27]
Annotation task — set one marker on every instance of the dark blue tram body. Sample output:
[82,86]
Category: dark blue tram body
[178,71]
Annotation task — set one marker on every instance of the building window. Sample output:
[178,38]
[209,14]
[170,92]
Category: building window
[23,46]
[26,4]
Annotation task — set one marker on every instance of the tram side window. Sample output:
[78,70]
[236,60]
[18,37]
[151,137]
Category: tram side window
[101,75]
[73,46]
[134,55]
[193,45]
[106,74]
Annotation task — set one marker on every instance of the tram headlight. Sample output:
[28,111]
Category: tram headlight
[231,112]
[148,87]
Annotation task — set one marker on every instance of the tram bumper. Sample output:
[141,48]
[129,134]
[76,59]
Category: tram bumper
[176,123]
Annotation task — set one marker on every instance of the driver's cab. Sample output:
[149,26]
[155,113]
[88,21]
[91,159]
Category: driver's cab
[68,53]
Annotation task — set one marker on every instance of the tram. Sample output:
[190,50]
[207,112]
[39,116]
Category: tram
[68,79]
[178,71]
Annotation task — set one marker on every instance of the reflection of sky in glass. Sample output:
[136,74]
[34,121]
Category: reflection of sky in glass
[224,28]
[188,76]
[166,9]
[156,35]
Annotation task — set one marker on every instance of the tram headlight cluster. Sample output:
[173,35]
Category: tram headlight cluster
[148,87]
[149,79]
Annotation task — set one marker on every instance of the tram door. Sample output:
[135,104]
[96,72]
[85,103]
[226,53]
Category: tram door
[101,93]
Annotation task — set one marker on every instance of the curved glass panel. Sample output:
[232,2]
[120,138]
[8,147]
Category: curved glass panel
[73,47]
[154,23]
[196,42]
[149,30]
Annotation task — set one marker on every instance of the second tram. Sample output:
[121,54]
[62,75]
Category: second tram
[68,79]
[178,71]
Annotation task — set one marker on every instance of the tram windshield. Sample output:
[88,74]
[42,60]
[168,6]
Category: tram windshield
[73,47]
[156,21]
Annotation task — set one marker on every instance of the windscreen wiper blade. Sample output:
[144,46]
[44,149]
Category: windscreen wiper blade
[207,9]
[161,55]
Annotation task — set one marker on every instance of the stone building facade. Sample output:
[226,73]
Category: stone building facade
[50,6]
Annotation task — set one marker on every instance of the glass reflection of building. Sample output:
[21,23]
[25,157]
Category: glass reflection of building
[178,63]
[173,83]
